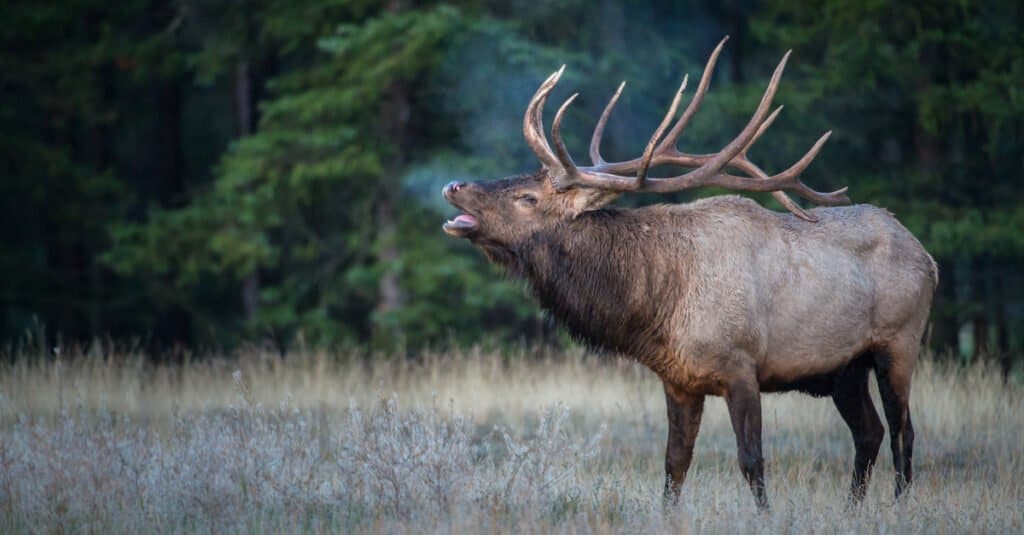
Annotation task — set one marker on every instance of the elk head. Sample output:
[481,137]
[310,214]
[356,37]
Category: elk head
[501,213]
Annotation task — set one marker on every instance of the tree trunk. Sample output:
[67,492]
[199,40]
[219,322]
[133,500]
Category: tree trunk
[389,292]
[171,189]
[173,185]
[967,345]
[103,159]
[245,124]
[1001,343]
[395,126]
[984,312]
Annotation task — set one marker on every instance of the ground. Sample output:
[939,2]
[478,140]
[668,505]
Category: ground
[466,442]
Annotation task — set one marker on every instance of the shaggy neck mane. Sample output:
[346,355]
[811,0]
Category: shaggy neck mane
[600,276]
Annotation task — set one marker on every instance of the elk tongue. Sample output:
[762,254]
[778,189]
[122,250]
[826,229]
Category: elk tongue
[463,221]
[460,225]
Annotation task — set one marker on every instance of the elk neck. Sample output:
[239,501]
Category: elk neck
[609,277]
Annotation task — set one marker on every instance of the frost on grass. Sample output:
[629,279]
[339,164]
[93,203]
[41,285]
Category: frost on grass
[223,469]
[498,454]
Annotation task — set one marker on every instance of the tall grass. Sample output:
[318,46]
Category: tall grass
[465,442]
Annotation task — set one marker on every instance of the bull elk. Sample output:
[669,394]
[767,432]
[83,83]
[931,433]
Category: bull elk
[719,296]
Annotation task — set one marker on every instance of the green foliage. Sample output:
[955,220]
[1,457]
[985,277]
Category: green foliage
[61,65]
[930,94]
[295,201]
[129,210]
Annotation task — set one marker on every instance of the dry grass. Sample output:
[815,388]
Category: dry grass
[465,443]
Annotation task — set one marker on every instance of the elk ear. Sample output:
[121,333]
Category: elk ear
[587,199]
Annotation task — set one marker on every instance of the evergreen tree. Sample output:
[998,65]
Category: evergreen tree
[926,105]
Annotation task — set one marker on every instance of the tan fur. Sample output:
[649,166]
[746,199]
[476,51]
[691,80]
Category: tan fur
[795,298]
[720,296]
[723,297]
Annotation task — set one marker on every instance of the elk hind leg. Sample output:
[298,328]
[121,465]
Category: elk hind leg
[853,400]
[894,368]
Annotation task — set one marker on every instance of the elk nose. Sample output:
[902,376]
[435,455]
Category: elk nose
[453,187]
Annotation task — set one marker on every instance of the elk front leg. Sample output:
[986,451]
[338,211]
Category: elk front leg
[744,401]
[684,413]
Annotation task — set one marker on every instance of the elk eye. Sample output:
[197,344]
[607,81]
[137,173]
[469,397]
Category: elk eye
[527,200]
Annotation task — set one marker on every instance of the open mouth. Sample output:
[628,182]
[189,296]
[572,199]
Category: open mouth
[461,225]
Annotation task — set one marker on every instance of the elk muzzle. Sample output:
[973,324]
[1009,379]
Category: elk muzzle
[463,224]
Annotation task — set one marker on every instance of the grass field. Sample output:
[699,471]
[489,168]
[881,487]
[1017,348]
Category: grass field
[468,442]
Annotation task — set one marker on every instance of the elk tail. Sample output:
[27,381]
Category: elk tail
[934,272]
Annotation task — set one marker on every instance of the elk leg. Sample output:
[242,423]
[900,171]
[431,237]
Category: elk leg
[854,403]
[744,402]
[894,371]
[684,414]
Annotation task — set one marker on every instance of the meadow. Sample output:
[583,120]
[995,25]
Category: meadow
[467,441]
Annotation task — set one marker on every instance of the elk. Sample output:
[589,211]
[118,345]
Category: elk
[719,296]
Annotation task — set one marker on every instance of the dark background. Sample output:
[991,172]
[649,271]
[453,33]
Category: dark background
[189,174]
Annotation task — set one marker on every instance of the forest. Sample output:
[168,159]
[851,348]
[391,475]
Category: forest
[183,174]
[227,303]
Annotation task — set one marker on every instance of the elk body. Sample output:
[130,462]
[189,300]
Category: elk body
[719,296]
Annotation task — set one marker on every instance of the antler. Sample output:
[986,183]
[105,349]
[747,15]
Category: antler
[564,173]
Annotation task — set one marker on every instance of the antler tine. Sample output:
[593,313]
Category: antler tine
[711,165]
[556,136]
[709,168]
[786,180]
[645,162]
[761,130]
[571,174]
[563,172]
[801,164]
[702,88]
[715,163]
[833,198]
[595,139]
[792,206]
[755,171]
[533,121]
